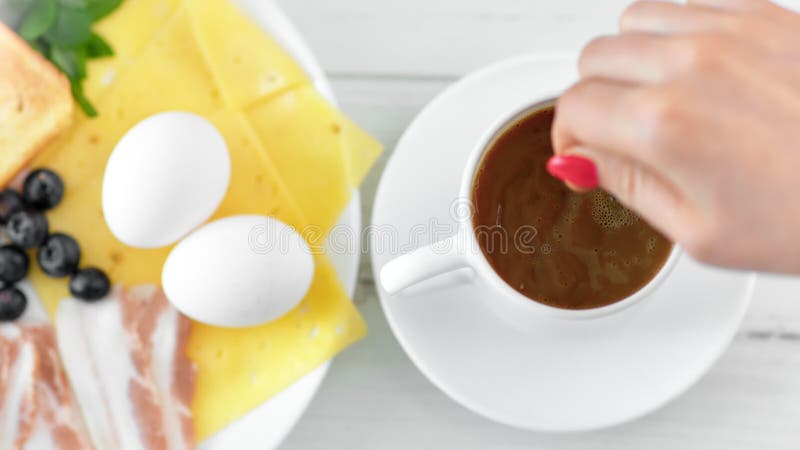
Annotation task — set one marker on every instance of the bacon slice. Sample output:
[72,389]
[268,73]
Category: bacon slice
[37,408]
[126,361]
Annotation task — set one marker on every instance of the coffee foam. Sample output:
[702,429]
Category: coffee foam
[651,244]
[609,213]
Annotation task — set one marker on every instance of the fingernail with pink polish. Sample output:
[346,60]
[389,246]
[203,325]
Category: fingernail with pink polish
[576,170]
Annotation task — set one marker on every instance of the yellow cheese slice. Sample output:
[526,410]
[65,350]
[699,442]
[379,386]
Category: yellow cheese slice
[169,75]
[301,134]
[128,29]
[256,186]
[246,63]
[80,158]
[240,368]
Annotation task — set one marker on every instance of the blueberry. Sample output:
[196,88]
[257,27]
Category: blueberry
[59,255]
[12,304]
[10,203]
[89,284]
[42,189]
[13,264]
[27,229]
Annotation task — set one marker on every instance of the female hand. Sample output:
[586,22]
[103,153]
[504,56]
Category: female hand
[692,118]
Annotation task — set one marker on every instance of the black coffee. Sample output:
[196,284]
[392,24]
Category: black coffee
[567,250]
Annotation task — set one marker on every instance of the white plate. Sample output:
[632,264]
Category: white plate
[266,426]
[562,375]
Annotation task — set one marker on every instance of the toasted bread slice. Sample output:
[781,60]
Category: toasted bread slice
[35,103]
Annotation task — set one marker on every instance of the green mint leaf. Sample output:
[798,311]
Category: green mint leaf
[101,8]
[20,4]
[41,46]
[97,47]
[70,61]
[73,63]
[61,30]
[80,4]
[83,102]
[71,29]
[80,59]
[39,18]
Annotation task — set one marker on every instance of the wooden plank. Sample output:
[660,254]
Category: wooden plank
[445,37]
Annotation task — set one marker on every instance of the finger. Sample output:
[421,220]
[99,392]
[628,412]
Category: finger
[672,18]
[635,58]
[638,188]
[596,113]
[734,5]
[579,173]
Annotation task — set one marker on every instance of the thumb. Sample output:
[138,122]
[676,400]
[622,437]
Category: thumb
[635,186]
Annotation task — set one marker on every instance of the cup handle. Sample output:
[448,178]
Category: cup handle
[422,264]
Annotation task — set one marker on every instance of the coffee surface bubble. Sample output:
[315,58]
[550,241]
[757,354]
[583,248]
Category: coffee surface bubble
[609,213]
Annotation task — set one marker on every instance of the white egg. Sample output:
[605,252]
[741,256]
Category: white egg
[165,177]
[238,271]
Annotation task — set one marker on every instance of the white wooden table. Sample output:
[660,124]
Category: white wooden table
[387,59]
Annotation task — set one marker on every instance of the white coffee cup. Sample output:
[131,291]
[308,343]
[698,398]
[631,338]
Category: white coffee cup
[462,251]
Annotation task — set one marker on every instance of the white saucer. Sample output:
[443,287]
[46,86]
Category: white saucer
[562,375]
